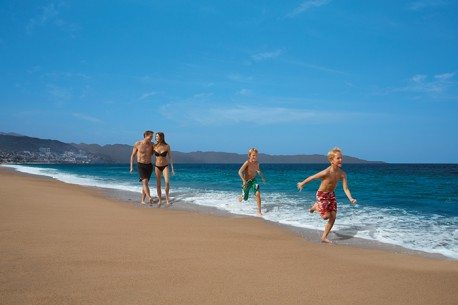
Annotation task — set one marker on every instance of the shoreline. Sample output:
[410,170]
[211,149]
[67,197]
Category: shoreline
[310,235]
[69,244]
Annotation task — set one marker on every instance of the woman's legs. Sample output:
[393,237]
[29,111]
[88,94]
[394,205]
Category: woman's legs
[158,185]
[167,184]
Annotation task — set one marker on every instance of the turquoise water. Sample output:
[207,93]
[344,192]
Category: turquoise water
[410,205]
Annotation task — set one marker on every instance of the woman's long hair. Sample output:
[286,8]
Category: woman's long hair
[161,139]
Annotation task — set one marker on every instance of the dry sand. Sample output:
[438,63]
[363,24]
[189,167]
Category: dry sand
[64,244]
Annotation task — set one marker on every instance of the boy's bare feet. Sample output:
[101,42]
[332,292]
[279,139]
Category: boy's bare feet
[143,202]
[312,208]
[326,241]
[240,198]
[259,214]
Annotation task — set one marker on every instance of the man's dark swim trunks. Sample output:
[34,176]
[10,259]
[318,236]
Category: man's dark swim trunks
[145,170]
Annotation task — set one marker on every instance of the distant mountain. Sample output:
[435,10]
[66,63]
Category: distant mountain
[116,153]
[223,157]
[12,143]
[120,153]
[11,134]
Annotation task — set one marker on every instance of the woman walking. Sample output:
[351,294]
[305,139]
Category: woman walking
[163,155]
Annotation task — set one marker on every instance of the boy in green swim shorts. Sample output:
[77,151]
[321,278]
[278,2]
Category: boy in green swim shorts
[248,173]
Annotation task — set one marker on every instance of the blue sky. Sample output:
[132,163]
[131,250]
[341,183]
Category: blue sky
[377,78]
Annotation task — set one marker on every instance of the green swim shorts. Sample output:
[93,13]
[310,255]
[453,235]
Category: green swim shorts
[250,185]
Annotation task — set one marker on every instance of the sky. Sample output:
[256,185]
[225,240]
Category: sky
[375,78]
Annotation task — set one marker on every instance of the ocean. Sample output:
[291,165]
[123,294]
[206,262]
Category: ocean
[414,206]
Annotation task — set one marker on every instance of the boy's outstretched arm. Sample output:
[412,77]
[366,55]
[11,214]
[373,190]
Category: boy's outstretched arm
[241,171]
[261,175]
[300,185]
[346,189]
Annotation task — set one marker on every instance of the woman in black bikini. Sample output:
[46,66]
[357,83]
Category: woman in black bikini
[163,155]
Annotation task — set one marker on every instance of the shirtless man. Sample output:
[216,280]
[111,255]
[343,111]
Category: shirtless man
[144,151]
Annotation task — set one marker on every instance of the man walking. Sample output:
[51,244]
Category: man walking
[144,151]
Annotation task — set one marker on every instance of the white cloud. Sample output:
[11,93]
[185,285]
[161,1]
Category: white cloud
[34,69]
[266,55]
[420,83]
[422,4]
[314,67]
[444,76]
[147,95]
[257,115]
[244,92]
[203,95]
[418,78]
[305,6]
[211,115]
[434,86]
[239,78]
[87,118]
[63,75]
[50,15]
[209,10]
[59,93]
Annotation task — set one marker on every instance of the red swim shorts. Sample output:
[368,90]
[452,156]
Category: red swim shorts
[326,202]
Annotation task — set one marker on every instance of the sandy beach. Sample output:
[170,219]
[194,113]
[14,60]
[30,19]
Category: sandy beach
[65,244]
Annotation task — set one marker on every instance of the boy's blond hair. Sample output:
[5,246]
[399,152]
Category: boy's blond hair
[251,150]
[332,153]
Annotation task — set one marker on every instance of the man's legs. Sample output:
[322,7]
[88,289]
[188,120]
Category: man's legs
[145,190]
[143,196]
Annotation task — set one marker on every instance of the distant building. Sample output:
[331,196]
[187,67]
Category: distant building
[69,154]
[45,150]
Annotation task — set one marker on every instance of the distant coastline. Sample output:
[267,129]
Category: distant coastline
[15,148]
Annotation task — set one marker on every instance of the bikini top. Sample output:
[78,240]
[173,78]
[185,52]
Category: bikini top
[162,154]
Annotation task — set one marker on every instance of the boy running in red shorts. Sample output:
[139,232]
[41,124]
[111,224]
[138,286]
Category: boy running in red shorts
[326,202]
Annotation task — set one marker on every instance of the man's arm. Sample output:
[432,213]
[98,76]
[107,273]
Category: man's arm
[322,174]
[346,189]
[132,156]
